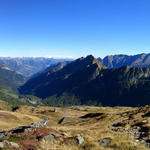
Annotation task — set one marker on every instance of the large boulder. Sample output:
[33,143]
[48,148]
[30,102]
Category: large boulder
[49,138]
[79,139]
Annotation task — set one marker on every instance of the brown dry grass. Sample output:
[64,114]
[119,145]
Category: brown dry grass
[9,120]
[92,128]
[4,105]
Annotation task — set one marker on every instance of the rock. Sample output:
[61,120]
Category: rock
[1,144]
[8,144]
[147,145]
[2,135]
[45,121]
[133,143]
[14,145]
[39,124]
[56,135]
[79,139]
[145,121]
[36,125]
[49,138]
[28,130]
[55,110]
[105,142]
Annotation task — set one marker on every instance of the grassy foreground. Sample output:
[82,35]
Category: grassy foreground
[92,123]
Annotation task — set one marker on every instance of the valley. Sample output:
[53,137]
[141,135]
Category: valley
[75,105]
[74,75]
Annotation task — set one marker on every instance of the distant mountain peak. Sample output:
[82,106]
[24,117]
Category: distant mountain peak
[86,80]
[91,57]
[117,61]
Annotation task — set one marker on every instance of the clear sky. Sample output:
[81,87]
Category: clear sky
[65,28]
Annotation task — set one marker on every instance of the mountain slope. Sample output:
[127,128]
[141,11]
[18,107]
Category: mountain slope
[9,83]
[52,68]
[66,80]
[116,61]
[28,66]
[9,79]
[87,81]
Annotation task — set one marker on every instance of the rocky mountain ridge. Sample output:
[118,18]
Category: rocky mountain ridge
[116,61]
[88,81]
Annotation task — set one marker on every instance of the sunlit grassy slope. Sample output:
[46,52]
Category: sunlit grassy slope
[91,127]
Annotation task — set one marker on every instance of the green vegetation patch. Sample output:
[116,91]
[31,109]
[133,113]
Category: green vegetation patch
[16,138]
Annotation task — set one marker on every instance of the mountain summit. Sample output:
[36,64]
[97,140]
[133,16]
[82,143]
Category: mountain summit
[68,79]
[88,81]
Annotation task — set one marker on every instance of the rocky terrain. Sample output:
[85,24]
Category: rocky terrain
[116,61]
[75,128]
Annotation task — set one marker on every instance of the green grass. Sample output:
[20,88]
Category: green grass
[16,138]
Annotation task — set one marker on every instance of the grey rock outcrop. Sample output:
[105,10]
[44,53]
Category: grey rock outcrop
[2,134]
[49,138]
[56,135]
[105,142]
[55,109]
[79,139]
[45,121]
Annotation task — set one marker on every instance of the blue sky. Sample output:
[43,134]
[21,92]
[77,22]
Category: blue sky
[74,28]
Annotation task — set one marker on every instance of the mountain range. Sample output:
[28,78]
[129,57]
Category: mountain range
[116,61]
[88,81]
[28,66]
[115,80]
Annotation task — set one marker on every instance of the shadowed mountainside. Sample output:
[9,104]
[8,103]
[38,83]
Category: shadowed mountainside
[88,81]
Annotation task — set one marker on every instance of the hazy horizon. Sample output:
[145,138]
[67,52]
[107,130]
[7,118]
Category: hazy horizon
[66,57]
